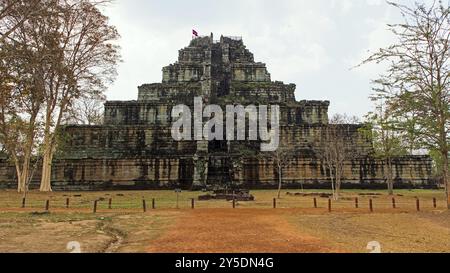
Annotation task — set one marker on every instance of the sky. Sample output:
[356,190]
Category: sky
[313,44]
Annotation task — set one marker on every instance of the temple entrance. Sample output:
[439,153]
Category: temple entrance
[219,171]
[186,173]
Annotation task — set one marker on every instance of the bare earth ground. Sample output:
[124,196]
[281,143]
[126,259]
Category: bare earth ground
[226,230]
[251,227]
[397,233]
[294,231]
[26,233]
[236,231]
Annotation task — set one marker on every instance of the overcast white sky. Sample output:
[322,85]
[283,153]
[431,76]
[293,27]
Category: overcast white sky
[310,43]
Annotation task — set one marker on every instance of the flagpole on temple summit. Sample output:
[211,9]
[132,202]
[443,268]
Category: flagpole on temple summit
[194,34]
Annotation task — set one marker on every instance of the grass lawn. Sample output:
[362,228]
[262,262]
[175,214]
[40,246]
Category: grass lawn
[264,199]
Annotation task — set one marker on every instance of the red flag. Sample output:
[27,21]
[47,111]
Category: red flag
[195,33]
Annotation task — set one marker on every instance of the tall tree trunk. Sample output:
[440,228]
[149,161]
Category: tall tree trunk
[445,177]
[23,178]
[50,146]
[20,184]
[46,183]
[390,187]
[20,179]
[22,172]
[280,179]
[23,175]
[23,167]
[333,191]
[338,189]
[390,182]
[338,183]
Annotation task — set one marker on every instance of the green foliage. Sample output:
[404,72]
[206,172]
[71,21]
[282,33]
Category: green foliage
[438,162]
[415,88]
[388,139]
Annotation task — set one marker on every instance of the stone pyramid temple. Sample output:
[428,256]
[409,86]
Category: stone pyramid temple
[134,148]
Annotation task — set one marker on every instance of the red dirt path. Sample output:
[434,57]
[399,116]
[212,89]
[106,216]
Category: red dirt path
[236,231]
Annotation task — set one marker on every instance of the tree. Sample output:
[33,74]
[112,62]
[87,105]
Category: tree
[387,141]
[21,94]
[438,163]
[25,8]
[59,52]
[418,77]
[282,159]
[336,149]
[85,58]
[86,111]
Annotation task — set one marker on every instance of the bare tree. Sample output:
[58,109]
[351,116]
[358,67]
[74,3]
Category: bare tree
[85,58]
[21,99]
[387,138]
[418,76]
[24,8]
[86,111]
[282,159]
[336,149]
[53,53]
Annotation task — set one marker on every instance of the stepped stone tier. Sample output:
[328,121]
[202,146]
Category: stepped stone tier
[134,149]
